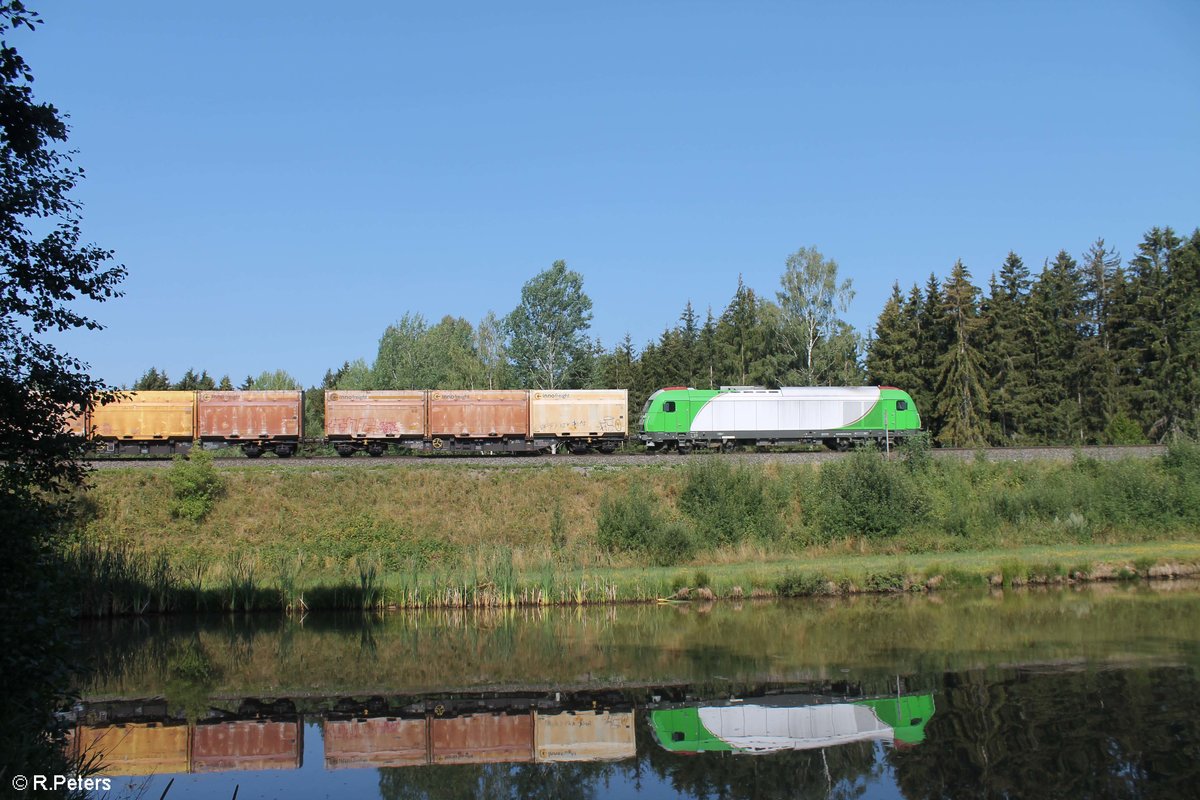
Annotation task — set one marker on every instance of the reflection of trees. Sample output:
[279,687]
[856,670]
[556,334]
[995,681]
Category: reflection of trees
[830,772]
[1122,734]
[518,781]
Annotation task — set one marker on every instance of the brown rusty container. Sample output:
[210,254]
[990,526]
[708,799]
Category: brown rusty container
[481,739]
[479,414]
[374,415]
[147,417]
[375,742]
[247,745]
[136,748]
[250,416]
[579,413]
[585,736]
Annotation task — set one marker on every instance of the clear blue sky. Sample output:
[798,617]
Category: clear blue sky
[283,180]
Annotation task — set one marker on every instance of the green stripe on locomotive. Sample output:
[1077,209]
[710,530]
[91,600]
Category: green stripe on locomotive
[673,411]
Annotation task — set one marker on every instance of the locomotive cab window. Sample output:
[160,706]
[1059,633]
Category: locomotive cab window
[669,406]
[902,405]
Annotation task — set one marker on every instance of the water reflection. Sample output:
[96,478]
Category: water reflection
[1072,694]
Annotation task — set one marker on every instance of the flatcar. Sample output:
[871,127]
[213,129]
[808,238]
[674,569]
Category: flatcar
[680,418]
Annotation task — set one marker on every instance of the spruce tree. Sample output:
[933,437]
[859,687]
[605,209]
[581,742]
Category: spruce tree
[932,343]
[1097,365]
[1008,355]
[1056,320]
[962,398]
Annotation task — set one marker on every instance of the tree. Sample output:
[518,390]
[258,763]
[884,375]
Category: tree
[277,380]
[810,301]
[547,332]
[152,380]
[892,351]
[400,363]
[489,345]
[1007,353]
[45,270]
[962,400]
[46,273]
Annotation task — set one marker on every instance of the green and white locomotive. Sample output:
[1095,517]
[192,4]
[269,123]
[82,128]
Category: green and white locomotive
[838,416]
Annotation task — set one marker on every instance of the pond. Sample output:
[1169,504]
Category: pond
[1070,692]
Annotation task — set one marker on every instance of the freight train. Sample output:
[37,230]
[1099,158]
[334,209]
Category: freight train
[500,421]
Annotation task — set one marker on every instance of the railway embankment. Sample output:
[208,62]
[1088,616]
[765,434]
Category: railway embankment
[392,535]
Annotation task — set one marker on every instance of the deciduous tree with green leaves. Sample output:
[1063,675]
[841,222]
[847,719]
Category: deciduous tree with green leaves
[547,334]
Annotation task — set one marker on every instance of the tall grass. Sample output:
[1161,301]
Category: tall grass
[465,537]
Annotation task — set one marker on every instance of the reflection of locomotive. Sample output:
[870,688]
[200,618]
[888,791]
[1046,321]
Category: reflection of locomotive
[754,729]
[436,421]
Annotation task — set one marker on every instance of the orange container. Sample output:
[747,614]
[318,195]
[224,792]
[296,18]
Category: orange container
[136,748]
[375,742]
[247,745]
[481,739]
[146,417]
[479,414]
[374,415]
[250,416]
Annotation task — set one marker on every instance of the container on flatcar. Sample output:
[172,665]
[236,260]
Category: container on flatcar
[580,416]
[146,422]
[372,420]
[375,742]
[481,739]
[247,745]
[135,748]
[477,417]
[258,420]
[584,736]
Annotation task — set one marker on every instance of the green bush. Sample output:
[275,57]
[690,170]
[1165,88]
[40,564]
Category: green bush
[631,522]
[730,503]
[865,495]
[195,485]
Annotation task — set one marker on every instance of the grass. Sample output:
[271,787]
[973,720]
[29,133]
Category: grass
[299,538]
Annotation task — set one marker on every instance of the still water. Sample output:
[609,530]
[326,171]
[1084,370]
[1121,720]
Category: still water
[1068,692]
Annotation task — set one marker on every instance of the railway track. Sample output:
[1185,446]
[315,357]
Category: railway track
[1048,453]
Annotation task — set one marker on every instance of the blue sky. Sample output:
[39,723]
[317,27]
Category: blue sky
[285,179]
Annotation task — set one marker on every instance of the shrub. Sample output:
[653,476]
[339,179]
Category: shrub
[731,503]
[631,522]
[195,485]
[863,494]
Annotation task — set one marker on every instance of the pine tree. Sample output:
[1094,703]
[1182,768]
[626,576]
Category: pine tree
[892,350]
[962,398]
[1097,364]
[1007,355]
[739,338]
[933,342]
[1056,320]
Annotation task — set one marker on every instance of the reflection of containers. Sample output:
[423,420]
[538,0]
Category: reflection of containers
[146,418]
[267,420]
[579,414]
[247,745]
[481,739]
[376,742]
[357,418]
[479,414]
[585,736]
[135,748]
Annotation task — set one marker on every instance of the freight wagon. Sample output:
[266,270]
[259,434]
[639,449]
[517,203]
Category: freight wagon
[503,421]
[155,748]
[167,422]
[482,738]
[681,418]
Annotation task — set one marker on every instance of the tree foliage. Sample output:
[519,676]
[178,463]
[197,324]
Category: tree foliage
[547,333]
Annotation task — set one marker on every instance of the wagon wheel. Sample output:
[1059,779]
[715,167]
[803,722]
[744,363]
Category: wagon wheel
[437,444]
[728,446]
